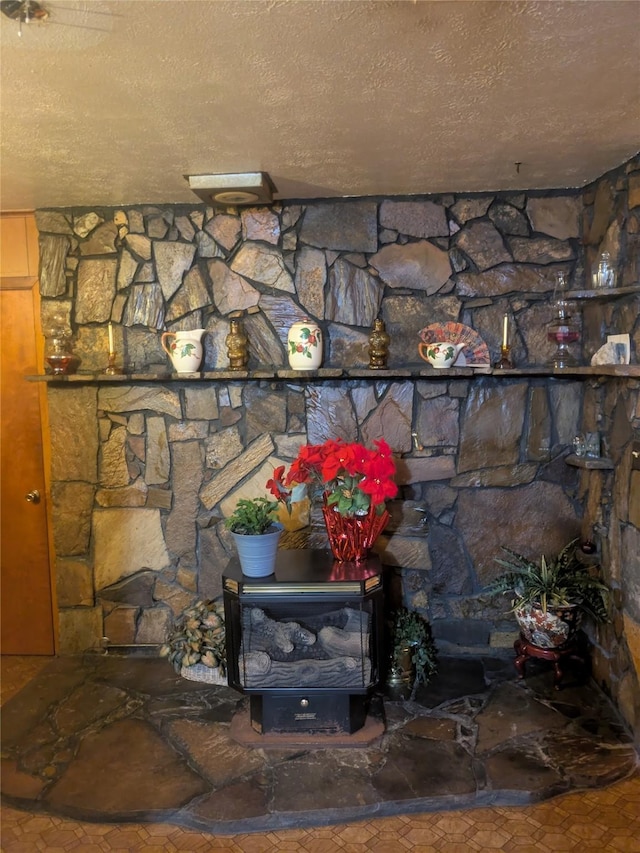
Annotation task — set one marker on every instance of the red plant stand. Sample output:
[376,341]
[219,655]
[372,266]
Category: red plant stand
[571,651]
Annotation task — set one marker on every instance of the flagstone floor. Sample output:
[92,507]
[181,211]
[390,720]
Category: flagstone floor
[103,753]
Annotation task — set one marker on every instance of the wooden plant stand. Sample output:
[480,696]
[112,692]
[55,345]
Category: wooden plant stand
[525,650]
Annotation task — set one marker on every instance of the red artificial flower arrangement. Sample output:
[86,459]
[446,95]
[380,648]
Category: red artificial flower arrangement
[351,477]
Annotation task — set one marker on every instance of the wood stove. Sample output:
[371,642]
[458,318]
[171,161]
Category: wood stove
[305,643]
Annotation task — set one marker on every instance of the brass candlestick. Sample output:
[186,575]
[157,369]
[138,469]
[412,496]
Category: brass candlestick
[505,362]
[112,368]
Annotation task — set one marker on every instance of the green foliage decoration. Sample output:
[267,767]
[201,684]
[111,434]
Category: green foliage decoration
[411,631]
[252,517]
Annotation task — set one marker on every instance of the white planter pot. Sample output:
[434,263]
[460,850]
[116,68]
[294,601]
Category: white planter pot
[257,554]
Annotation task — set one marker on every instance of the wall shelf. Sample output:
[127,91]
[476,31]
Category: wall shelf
[603,292]
[591,463]
[329,373]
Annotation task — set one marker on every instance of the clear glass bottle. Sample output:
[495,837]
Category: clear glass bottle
[605,275]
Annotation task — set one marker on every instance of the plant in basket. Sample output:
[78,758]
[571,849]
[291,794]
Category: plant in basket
[354,481]
[196,646]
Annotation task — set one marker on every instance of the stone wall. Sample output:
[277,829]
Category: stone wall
[611,499]
[143,473]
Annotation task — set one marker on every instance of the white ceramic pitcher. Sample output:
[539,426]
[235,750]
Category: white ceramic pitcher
[185,349]
[441,354]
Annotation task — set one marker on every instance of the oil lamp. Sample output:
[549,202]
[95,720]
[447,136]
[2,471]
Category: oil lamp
[562,330]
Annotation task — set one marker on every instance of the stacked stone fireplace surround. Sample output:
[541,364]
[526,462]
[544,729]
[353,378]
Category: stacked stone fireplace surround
[145,468]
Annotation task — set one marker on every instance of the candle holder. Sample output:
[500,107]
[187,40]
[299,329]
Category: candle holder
[112,368]
[504,362]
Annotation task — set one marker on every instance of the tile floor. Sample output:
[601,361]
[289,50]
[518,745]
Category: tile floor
[606,819]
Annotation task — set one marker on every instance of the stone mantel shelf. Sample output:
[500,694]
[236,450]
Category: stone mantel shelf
[329,373]
[591,463]
[602,292]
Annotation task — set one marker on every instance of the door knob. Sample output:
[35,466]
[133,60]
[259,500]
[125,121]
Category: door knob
[33,497]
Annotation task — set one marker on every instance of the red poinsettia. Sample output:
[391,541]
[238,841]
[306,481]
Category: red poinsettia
[351,476]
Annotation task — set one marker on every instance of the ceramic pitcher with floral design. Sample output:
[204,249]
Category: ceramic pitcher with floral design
[184,349]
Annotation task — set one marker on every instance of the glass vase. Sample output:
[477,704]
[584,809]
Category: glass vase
[352,537]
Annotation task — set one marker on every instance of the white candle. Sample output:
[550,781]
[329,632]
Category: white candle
[505,331]
[111,349]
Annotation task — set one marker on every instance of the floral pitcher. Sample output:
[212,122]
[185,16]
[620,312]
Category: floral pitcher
[185,350]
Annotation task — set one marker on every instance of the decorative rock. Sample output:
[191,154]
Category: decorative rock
[225,230]
[471,208]
[172,261]
[53,256]
[231,292]
[74,440]
[437,422]
[354,295]
[222,483]
[350,226]
[85,224]
[523,513]
[133,495]
[145,307]
[74,583]
[483,244]
[260,224]
[449,574]
[263,264]
[117,557]
[541,250]
[157,469]
[73,503]
[53,222]
[191,295]
[180,528]
[139,245]
[266,347]
[310,280]
[415,218]
[558,216]
[157,227]
[78,629]
[96,290]
[113,464]
[102,241]
[201,403]
[207,246]
[419,266]
[509,220]
[166,773]
[480,441]
[424,469]
[507,278]
[391,418]
[132,398]
[127,269]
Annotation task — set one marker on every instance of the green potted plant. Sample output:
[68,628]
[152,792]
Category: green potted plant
[550,597]
[256,535]
[413,651]
[196,646]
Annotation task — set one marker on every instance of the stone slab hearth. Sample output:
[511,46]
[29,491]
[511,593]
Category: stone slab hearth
[116,739]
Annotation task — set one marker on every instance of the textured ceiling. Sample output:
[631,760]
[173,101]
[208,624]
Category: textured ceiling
[111,103]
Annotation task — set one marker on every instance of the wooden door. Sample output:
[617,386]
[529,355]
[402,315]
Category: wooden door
[26,591]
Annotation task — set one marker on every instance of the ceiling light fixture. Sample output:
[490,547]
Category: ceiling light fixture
[239,189]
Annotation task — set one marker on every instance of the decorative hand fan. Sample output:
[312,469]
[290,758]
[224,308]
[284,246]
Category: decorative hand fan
[474,353]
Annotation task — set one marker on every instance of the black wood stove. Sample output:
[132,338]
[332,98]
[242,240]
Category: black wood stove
[305,643]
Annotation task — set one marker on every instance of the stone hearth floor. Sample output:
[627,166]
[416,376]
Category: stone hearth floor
[123,739]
